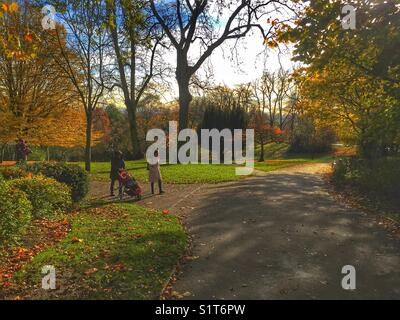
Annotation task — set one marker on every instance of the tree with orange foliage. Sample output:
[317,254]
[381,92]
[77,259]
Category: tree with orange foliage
[83,55]
[37,102]
[69,130]
[273,106]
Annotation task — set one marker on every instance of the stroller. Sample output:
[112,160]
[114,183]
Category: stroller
[129,185]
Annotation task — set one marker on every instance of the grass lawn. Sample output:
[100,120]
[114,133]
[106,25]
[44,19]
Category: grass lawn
[272,150]
[113,252]
[270,165]
[279,151]
[196,173]
[191,173]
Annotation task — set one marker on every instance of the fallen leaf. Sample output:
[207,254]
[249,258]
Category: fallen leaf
[75,240]
[176,295]
[90,271]
[119,266]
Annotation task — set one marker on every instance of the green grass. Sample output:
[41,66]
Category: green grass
[191,173]
[277,157]
[208,173]
[133,251]
[271,165]
[272,150]
[279,151]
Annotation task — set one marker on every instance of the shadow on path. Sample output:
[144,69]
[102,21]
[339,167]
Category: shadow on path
[282,236]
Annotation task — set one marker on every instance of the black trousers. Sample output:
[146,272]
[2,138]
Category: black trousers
[159,186]
[113,184]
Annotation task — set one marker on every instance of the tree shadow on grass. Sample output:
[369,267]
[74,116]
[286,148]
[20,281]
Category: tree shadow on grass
[137,267]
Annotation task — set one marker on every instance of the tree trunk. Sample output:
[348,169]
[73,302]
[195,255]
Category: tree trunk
[262,151]
[184,102]
[136,149]
[3,147]
[88,146]
[183,75]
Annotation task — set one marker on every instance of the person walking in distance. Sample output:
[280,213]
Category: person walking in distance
[155,174]
[117,163]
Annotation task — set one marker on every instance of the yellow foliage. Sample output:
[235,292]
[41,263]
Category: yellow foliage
[12,7]
[37,102]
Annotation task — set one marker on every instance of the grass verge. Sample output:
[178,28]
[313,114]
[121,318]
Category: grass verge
[113,252]
[180,174]
[271,165]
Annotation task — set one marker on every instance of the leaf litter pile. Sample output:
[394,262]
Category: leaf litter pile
[114,252]
[40,235]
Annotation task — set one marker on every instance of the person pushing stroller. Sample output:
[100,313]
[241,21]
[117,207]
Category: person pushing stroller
[117,163]
[129,185]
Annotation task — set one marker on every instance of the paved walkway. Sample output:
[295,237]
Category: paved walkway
[279,235]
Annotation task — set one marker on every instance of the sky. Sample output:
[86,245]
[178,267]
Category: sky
[248,63]
[252,59]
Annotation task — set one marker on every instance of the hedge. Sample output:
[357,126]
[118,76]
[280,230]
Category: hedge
[48,196]
[10,173]
[15,213]
[72,175]
[380,177]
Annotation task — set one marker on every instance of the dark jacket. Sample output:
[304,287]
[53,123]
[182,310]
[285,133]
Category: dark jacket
[116,164]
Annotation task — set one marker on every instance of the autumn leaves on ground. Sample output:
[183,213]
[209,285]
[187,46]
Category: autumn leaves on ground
[113,252]
[108,252]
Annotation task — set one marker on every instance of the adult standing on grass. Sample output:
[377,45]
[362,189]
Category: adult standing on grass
[117,163]
[22,151]
[155,174]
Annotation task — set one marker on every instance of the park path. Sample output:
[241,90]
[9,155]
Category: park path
[279,235]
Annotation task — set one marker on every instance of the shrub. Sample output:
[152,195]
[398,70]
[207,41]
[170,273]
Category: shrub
[346,170]
[10,173]
[15,213]
[72,175]
[380,177]
[308,138]
[48,197]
